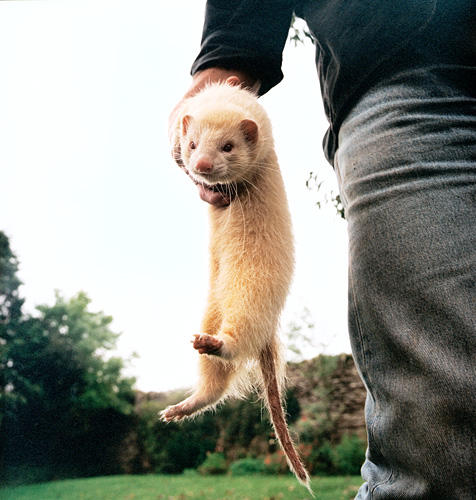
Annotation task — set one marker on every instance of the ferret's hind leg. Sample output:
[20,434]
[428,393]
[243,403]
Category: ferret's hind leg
[215,378]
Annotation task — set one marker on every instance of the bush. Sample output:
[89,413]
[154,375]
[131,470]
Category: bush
[247,466]
[214,464]
[172,448]
[24,474]
[190,473]
[349,455]
[324,460]
[276,463]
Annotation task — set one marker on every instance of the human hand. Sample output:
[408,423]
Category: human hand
[200,80]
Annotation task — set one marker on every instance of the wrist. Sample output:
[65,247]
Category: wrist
[213,75]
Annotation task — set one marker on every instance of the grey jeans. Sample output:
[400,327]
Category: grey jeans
[406,164]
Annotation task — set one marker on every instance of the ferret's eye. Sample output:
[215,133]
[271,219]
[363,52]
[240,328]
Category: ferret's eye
[192,145]
[227,147]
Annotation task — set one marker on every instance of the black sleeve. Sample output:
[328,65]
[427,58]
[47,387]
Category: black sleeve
[246,35]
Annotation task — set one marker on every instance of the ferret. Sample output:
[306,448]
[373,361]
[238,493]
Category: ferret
[226,146]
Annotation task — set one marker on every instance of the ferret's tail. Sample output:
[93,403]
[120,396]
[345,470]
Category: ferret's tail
[275,406]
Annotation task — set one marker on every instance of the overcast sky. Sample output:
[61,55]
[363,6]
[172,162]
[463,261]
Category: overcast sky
[91,199]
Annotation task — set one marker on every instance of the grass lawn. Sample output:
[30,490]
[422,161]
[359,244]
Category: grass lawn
[186,487]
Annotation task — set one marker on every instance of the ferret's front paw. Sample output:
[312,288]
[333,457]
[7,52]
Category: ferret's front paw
[176,412]
[207,344]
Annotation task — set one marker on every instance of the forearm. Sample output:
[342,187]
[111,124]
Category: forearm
[246,35]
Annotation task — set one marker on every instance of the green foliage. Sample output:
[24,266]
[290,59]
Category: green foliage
[325,450]
[317,424]
[247,466]
[326,197]
[323,459]
[215,464]
[345,458]
[10,302]
[66,404]
[238,430]
[10,323]
[276,464]
[349,455]
[27,474]
[299,32]
[172,448]
[71,360]
[237,427]
[243,424]
[67,410]
[246,429]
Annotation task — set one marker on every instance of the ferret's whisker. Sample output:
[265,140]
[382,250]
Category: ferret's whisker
[243,216]
[248,182]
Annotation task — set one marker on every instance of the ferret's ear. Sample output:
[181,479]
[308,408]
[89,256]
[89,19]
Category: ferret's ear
[250,129]
[186,121]
[234,81]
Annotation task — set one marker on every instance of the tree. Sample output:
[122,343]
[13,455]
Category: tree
[68,404]
[10,302]
[74,359]
[10,318]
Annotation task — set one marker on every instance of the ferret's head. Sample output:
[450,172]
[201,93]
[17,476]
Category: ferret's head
[218,148]
[224,137]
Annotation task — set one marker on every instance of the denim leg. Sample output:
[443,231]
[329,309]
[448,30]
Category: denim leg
[407,170]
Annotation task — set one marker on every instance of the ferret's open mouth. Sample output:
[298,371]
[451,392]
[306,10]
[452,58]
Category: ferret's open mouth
[218,195]
[217,188]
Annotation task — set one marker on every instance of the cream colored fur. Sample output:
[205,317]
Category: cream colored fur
[251,244]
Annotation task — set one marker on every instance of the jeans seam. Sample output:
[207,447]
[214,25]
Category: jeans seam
[474,467]
[370,425]
[359,328]
[380,484]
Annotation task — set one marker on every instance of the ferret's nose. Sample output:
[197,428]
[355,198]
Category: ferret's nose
[204,166]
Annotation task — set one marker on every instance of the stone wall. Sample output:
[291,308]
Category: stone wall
[331,383]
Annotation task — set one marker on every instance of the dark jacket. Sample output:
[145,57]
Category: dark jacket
[358,42]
